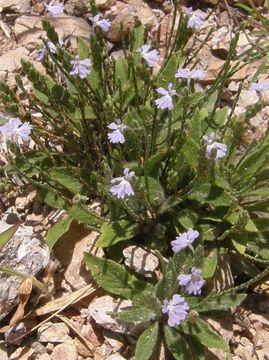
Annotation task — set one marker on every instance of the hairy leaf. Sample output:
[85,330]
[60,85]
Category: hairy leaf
[147,343]
[115,279]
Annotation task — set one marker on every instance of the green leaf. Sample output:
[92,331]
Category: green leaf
[155,191]
[6,235]
[63,176]
[81,213]
[83,48]
[167,74]
[253,162]
[147,342]
[222,302]
[190,152]
[51,33]
[138,36]
[154,163]
[57,230]
[168,285]
[221,116]
[121,70]
[203,332]
[117,231]
[210,264]
[240,242]
[115,279]
[136,314]
[177,344]
[52,198]
[210,194]
[186,218]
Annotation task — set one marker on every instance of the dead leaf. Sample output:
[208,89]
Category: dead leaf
[24,294]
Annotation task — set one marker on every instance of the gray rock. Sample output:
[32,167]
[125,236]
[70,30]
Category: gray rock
[77,7]
[28,28]
[116,357]
[221,41]
[140,260]
[11,60]
[100,308]
[105,4]
[248,98]
[3,351]
[53,333]
[24,253]
[44,357]
[18,6]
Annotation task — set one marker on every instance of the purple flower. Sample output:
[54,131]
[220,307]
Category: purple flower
[80,67]
[184,240]
[219,148]
[196,18]
[104,24]
[192,282]
[16,131]
[122,186]
[166,101]
[177,310]
[116,136]
[55,9]
[262,86]
[41,53]
[190,74]
[151,56]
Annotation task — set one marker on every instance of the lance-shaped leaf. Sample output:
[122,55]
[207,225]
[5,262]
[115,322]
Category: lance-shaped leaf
[147,343]
[6,235]
[57,230]
[203,332]
[177,344]
[116,231]
[115,279]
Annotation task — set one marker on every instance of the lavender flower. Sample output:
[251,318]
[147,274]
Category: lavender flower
[184,240]
[16,131]
[177,310]
[122,185]
[262,86]
[116,136]
[220,148]
[190,74]
[192,282]
[55,9]
[41,53]
[151,56]
[166,101]
[196,18]
[104,24]
[80,67]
